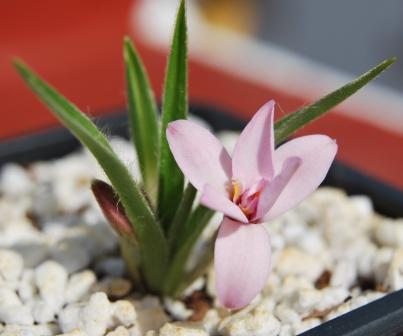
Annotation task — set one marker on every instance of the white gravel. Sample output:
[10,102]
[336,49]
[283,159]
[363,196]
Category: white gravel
[60,273]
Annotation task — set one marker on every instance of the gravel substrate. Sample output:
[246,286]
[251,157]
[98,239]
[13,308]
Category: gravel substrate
[61,274]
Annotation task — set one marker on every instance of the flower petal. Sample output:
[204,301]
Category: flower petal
[317,153]
[252,157]
[199,155]
[242,262]
[273,190]
[216,201]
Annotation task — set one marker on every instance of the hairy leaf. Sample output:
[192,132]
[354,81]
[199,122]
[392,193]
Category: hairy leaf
[175,106]
[181,216]
[192,231]
[289,124]
[150,236]
[143,117]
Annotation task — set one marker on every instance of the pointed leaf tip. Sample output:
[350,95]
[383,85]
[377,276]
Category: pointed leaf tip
[174,107]
[127,46]
[126,39]
[289,124]
[154,247]
[21,67]
[392,60]
[17,63]
[143,116]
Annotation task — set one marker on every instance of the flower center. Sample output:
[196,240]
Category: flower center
[247,200]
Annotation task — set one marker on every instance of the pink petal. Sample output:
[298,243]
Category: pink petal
[273,190]
[216,201]
[317,153]
[199,155]
[242,262]
[252,157]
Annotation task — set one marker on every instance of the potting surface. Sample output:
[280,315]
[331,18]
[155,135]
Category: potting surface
[330,255]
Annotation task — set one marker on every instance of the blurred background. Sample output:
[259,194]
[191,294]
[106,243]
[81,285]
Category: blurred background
[242,53]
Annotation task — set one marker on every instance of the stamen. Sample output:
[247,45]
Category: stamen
[236,191]
[249,199]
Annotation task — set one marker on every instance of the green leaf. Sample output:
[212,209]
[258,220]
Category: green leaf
[143,117]
[130,252]
[175,106]
[152,242]
[294,121]
[181,215]
[203,262]
[192,231]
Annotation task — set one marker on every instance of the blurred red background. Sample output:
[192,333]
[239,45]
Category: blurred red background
[77,46]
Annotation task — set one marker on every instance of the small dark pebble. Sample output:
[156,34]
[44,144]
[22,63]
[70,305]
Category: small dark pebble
[200,303]
[367,284]
[323,280]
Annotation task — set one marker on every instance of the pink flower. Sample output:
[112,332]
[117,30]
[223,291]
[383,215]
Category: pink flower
[259,183]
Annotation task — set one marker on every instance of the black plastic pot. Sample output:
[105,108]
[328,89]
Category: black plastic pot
[383,317]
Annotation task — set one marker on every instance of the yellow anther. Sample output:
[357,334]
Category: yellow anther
[236,191]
